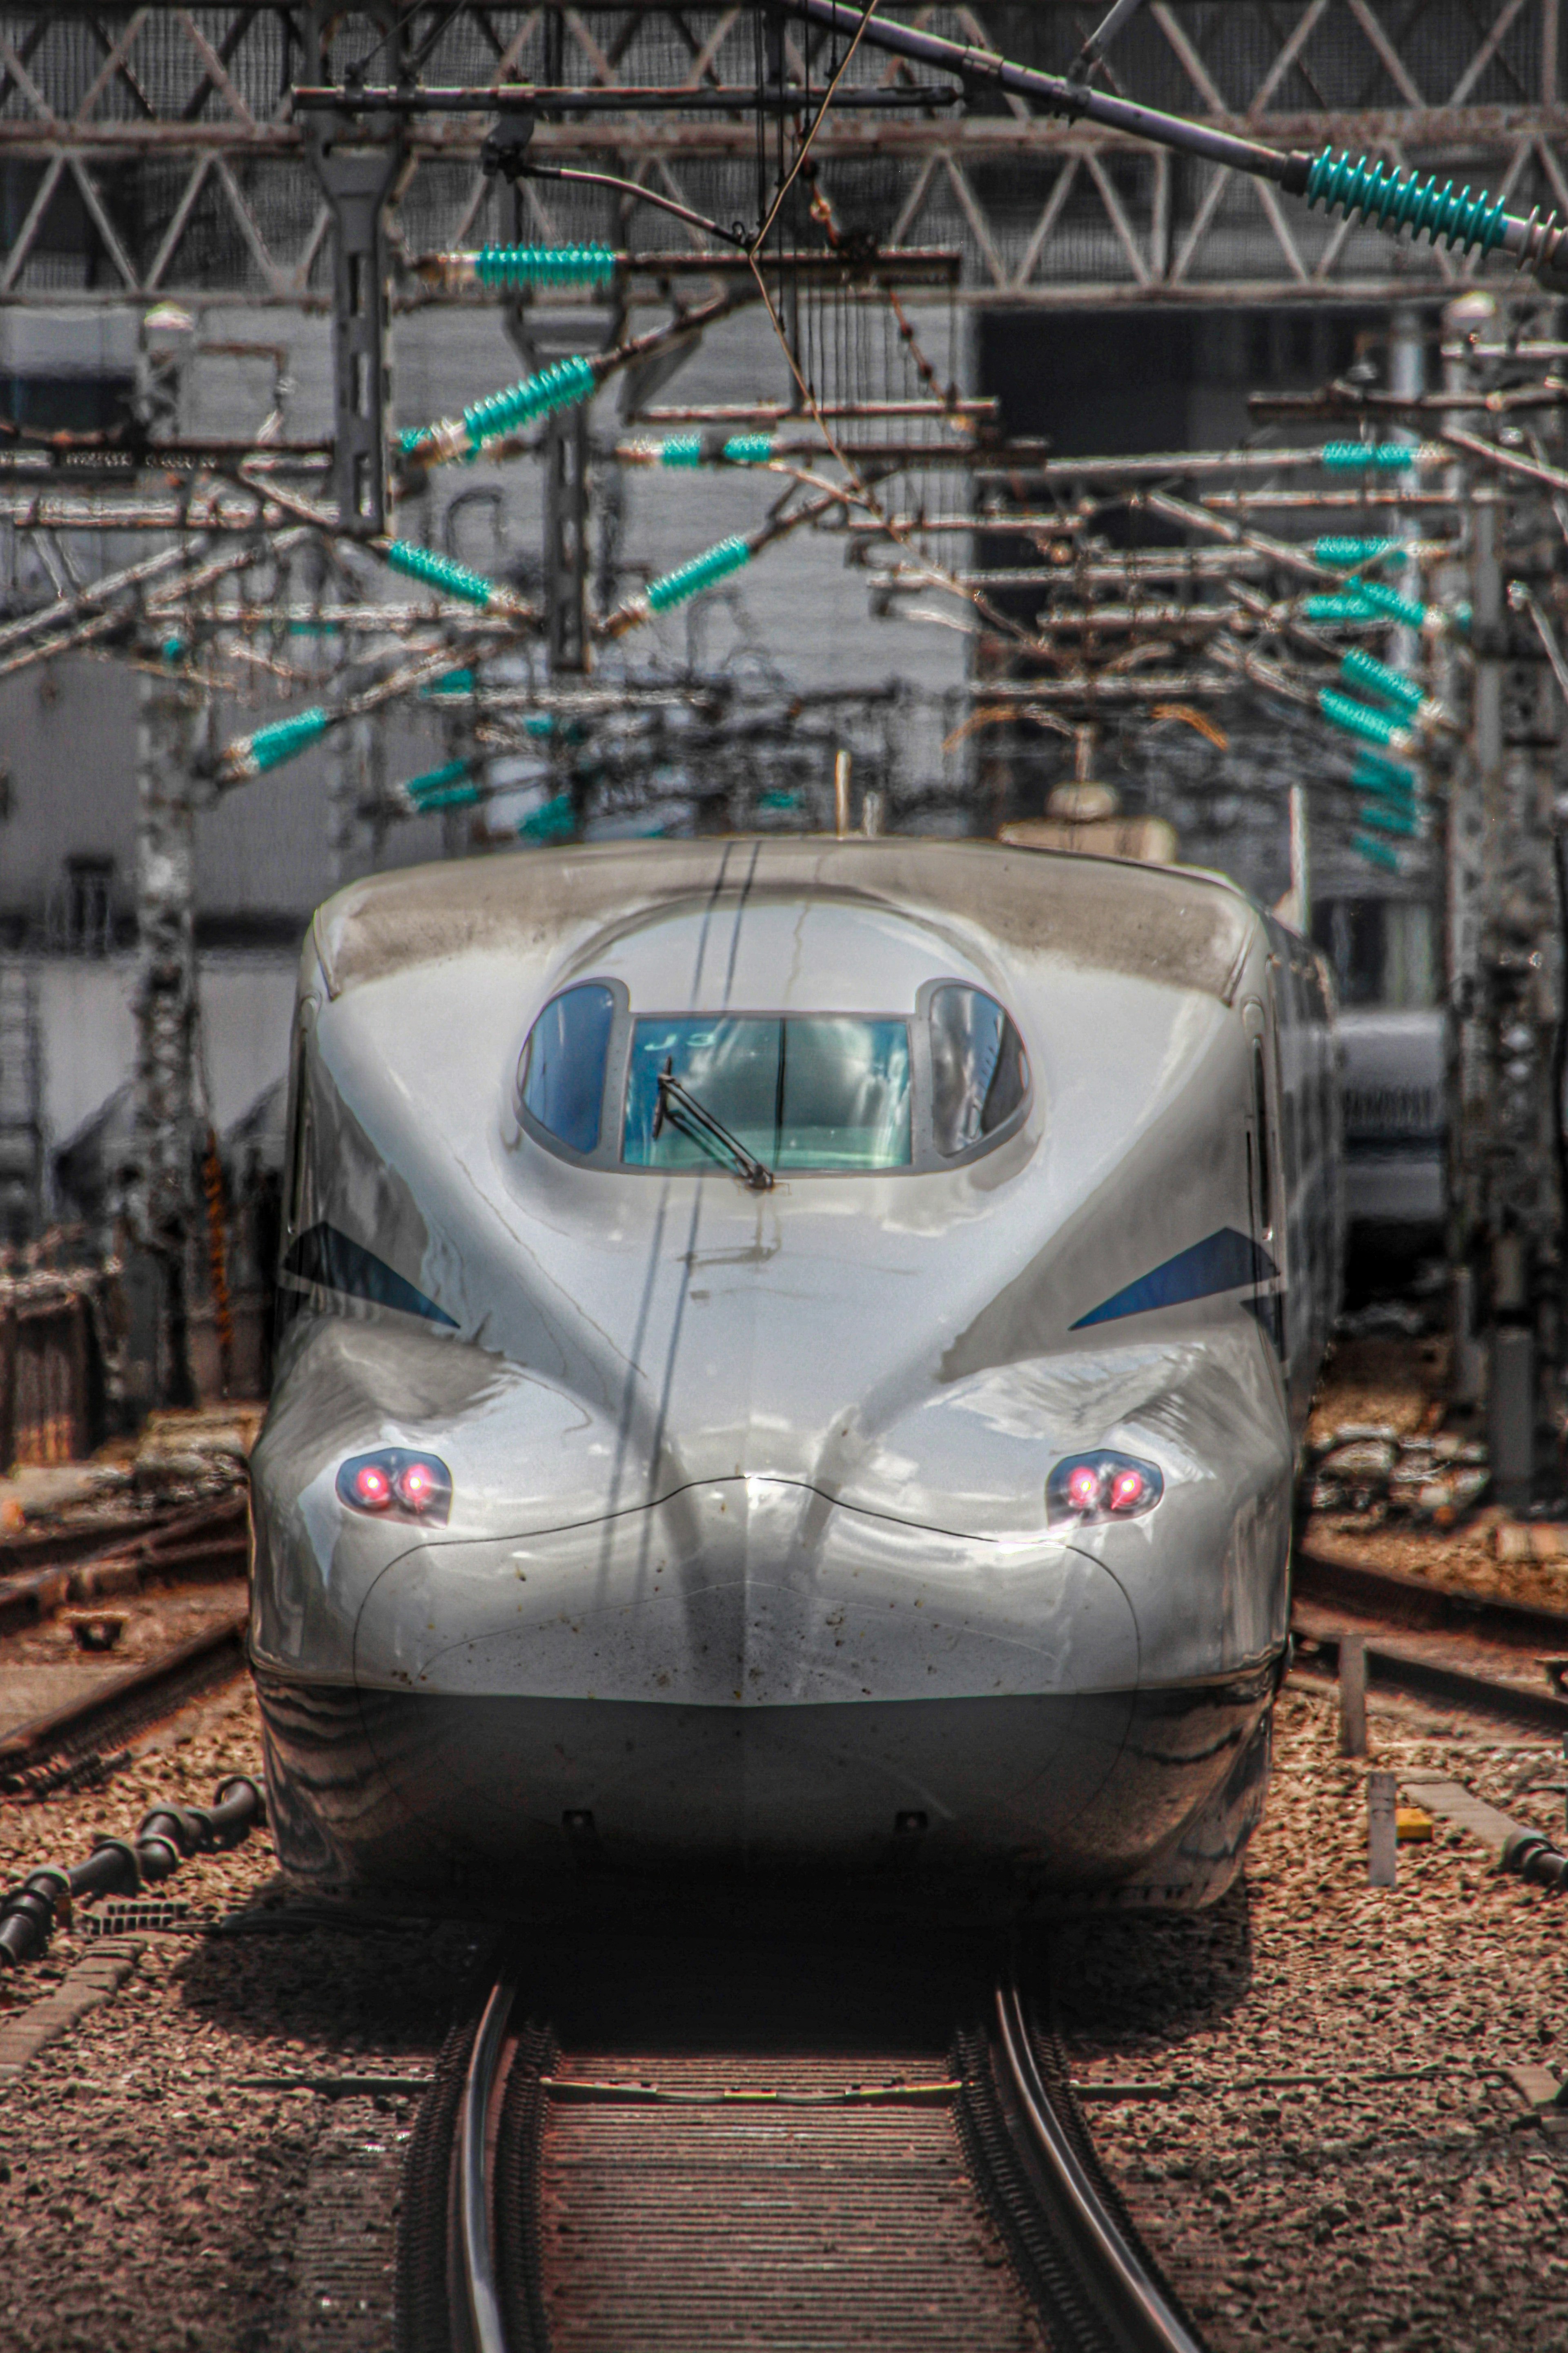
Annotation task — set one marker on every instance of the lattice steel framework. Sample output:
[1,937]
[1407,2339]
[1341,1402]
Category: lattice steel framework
[169,131]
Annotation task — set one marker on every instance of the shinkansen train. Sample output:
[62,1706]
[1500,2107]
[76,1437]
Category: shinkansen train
[796,1355]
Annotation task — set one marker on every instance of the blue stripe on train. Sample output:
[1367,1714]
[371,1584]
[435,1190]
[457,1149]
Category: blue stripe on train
[1223,1262]
[325,1255]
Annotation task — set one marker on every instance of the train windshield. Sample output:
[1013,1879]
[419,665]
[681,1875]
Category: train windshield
[818,1091]
[980,1073]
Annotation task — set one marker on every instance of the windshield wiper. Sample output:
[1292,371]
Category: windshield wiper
[691,1119]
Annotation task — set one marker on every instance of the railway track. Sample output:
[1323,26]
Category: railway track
[1450,1648]
[79,1744]
[39,1575]
[580,2189]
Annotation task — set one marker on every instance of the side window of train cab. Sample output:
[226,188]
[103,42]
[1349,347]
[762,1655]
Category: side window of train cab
[979,1069]
[561,1077]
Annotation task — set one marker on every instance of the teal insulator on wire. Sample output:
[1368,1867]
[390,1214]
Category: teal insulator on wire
[540,722]
[560,385]
[449,787]
[551,822]
[1363,670]
[1368,457]
[1375,852]
[1389,605]
[439,571]
[698,449]
[1350,605]
[1384,819]
[543,265]
[1358,718]
[451,681]
[271,747]
[1397,200]
[1373,774]
[702,571]
[1345,552]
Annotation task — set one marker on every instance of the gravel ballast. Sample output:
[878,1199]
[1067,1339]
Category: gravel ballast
[1399,2192]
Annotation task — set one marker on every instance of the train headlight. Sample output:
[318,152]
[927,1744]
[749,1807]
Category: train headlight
[1102,1486]
[397,1485]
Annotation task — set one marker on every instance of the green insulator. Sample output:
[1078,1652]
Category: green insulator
[702,571]
[1338,551]
[443,787]
[681,450]
[1397,200]
[747,449]
[271,747]
[1389,605]
[1356,718]
[1375,852]
[1365,670]
[439,571]
[451,681]
[1368,457]
[780,800]
[539,723]
[1350,607]
[551,822]
[543,265]
[1384,819]
[1373,774]
[560,385]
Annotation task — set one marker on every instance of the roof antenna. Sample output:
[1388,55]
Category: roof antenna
[1099,41]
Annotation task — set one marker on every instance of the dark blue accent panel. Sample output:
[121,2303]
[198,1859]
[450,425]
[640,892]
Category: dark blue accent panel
[1268,1306]
[1223,1262]
[335,1260]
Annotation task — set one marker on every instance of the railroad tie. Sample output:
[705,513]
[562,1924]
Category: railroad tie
[96,1979]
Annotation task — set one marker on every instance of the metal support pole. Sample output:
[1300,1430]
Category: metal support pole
[1505,956]
[160,1204]
[353,783]
[356,160]
[566,552]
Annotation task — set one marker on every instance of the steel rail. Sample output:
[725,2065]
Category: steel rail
[1317,1658]
[219,1653]
[476,2237]
[1416,1602]
[1143,2318]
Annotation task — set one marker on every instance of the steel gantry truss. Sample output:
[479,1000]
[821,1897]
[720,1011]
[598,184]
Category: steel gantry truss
[175,131]
[824,165]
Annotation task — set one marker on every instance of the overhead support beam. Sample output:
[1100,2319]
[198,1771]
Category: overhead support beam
[356,158]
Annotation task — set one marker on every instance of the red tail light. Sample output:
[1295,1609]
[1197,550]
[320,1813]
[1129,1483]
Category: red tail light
[1101,1486]
[371,1488]
[1127,1490]
[1083,1487]
[397,1484]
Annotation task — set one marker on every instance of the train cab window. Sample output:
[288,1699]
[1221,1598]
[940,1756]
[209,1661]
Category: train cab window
[825,1092]
[980,1073]
[561,1075]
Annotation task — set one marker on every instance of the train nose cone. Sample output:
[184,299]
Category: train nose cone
[747,1670]
[751,1592]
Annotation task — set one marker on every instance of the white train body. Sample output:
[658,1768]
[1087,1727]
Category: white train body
[616,1506]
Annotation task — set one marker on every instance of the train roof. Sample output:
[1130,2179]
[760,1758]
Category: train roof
[1171,924]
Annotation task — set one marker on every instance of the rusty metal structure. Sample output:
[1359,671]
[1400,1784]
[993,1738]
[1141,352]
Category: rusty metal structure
[832,174]
[175,131]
